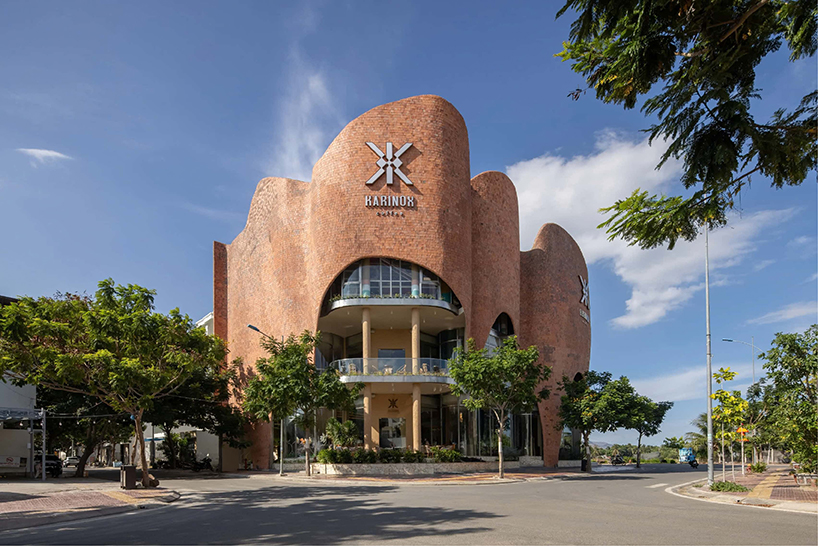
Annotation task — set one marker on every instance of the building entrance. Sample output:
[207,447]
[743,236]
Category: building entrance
[392,432]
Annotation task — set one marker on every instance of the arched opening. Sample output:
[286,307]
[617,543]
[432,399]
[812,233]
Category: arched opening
[500,330]
[578,377]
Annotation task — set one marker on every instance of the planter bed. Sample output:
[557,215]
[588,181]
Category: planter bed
[407,469]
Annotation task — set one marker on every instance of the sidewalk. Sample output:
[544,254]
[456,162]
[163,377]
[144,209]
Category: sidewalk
[775,488]
[27,503]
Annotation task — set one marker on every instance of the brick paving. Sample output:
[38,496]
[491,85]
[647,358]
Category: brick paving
[776,484]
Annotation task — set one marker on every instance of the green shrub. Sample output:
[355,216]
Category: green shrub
[324,456]
[410,456]
[673,461]
[727,486]
[389,456]
[364,456]
[341,434]
[759,467]
[445,455]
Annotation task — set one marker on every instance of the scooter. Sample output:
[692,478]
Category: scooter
[617,459]
[204,464]
[693,463]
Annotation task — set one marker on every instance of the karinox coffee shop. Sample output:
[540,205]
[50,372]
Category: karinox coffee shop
[397,255]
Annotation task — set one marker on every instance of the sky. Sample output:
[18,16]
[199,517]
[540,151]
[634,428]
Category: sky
[132,135]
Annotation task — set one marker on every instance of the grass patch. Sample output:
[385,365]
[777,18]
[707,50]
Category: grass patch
[728,486]
[698,485]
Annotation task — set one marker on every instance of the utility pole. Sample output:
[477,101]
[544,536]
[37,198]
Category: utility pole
[709,356]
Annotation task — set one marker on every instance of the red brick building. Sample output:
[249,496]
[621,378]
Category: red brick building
[398,255]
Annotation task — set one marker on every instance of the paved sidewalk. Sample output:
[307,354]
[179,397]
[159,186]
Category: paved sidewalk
[25,503]
[775,488]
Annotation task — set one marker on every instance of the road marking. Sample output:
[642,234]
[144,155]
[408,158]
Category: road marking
[656,485]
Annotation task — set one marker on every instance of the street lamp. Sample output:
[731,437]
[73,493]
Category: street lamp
[281,427]
[709,355]
[753,349]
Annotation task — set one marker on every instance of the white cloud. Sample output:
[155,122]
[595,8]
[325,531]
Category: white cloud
[570,192]
[788,312]
[307,116]
[812,278]
[42,156]
[214,214]
[691,383]
[763,264]
[801,241]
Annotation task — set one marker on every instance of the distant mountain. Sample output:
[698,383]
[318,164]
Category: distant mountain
[603,445]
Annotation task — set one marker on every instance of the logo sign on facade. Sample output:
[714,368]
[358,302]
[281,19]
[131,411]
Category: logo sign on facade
[393,405]
[585,298]
[389,164]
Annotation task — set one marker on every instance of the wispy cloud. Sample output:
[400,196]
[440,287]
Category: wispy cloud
[763,264]
[812,278]
[214,214]
[691,383]
[42,157]
[801,241]
[571,190]
[308,116]
[788,312]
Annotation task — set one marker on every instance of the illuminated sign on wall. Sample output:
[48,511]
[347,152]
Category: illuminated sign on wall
[389,164]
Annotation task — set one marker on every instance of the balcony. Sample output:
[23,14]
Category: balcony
[339,302]
[393,370]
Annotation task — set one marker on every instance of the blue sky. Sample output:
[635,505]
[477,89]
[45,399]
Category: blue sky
[132,135]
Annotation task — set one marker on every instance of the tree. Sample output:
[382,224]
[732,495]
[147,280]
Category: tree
[202,402]
[792,369]
[79,419]
[341,434]
[507,381]
[288,383]
[113,347]
[728,413]
[593,403]
[645,417]
[698,439]
[704,53]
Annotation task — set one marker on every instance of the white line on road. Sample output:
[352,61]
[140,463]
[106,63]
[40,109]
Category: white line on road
[655,485]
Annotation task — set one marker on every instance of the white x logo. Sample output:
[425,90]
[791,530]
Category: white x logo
[586,293]
[389,163]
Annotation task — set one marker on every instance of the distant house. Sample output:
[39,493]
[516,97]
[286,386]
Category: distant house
[16,406]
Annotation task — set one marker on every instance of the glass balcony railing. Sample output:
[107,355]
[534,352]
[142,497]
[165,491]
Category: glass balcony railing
[392,366]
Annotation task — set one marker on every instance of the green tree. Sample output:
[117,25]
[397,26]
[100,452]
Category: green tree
[202,402]
[593,403]
[341,434]
[728,414]
[704,55]
[288,383]
[80,420]
[698,439]
[507,381]
[792,370]
[645,417]
[113,347]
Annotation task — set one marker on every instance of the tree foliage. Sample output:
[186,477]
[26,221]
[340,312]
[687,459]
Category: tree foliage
[113,347]
[288,383]
[645,417]
[792,369]
[594,403]
[704,55]
[505,381]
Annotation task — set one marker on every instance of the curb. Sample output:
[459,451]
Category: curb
[770,504]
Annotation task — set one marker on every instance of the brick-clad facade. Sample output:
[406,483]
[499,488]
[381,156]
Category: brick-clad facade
[301,236]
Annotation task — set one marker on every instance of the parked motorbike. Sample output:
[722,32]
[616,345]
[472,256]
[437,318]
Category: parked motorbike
[204,464]
[617,459]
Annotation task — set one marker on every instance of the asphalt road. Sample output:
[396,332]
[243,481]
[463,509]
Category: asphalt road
[615,508]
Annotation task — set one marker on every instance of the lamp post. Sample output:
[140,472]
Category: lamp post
[753,348]
[281,426]
[709,356]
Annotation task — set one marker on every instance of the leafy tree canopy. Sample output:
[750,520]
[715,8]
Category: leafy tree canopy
[113,347]
[792,369]
[645,417]
[288,383]
[505,381]
[704,54]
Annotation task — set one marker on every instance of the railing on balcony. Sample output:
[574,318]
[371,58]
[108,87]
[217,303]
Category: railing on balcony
[392,366]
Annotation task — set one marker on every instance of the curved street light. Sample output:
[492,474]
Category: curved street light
[754,348]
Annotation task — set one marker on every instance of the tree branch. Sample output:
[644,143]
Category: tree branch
[742,19]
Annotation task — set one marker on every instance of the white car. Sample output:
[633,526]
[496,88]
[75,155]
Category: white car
[71,461]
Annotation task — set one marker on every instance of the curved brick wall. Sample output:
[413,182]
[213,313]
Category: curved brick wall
[300,235]
[495,253]
[550,309]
